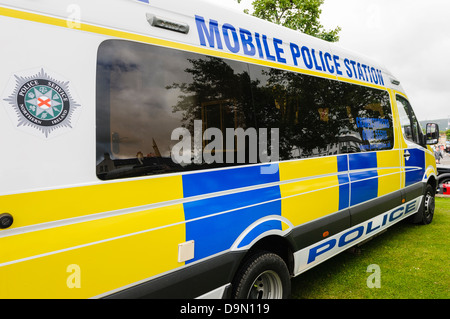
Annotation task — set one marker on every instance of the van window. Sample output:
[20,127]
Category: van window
[145,93]
[410,126]
[320,117]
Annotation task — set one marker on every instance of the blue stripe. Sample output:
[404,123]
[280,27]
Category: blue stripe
[342,163]
[414,174]
[216,181]
[363,160]
[364,186]
[217,233]
[344,191]
[344,185]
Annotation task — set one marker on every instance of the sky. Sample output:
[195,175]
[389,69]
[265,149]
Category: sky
[411,38]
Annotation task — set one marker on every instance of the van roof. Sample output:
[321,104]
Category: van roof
[216,29]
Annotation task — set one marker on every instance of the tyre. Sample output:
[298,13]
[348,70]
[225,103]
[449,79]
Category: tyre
[263,276]
[426,210]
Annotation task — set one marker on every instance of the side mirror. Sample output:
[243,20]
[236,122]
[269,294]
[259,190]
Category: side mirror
[432,137]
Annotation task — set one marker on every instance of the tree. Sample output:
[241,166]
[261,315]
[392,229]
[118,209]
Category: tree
[300,15]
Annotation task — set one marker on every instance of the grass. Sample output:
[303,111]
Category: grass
[413,259]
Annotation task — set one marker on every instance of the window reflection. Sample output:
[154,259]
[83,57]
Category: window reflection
[144,92]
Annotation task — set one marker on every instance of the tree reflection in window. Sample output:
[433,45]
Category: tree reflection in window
[144,92]
[315,116]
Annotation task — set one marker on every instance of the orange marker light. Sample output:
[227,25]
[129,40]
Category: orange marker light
[325,234]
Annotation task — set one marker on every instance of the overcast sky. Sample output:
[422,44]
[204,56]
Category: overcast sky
[410,37]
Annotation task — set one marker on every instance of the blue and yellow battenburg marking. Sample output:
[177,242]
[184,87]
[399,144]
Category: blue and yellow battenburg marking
[293,192]
[148,239]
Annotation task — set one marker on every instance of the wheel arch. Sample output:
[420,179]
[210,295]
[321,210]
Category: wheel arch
[433,181]
[262,236]
[278,245]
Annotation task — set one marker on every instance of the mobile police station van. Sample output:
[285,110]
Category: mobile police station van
[174,149]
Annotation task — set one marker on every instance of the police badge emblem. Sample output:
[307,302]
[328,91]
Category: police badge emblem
[41,102]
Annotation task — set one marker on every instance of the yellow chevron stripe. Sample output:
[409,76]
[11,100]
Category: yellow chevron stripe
[52,205]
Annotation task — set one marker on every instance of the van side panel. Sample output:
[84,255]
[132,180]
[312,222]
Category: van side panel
[305,183]
[108,253]
[389,172]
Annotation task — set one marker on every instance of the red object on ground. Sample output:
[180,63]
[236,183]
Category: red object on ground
[446,188]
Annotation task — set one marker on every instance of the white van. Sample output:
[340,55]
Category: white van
[174,149]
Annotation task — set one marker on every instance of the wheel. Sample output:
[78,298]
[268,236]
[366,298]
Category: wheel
[426,211]
[263,276]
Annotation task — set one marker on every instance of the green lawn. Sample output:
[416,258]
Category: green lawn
[413,259]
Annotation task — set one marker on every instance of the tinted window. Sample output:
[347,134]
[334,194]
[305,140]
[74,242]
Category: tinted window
[319,117]
[150,100]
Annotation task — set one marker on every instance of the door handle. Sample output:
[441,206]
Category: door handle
[406,154]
